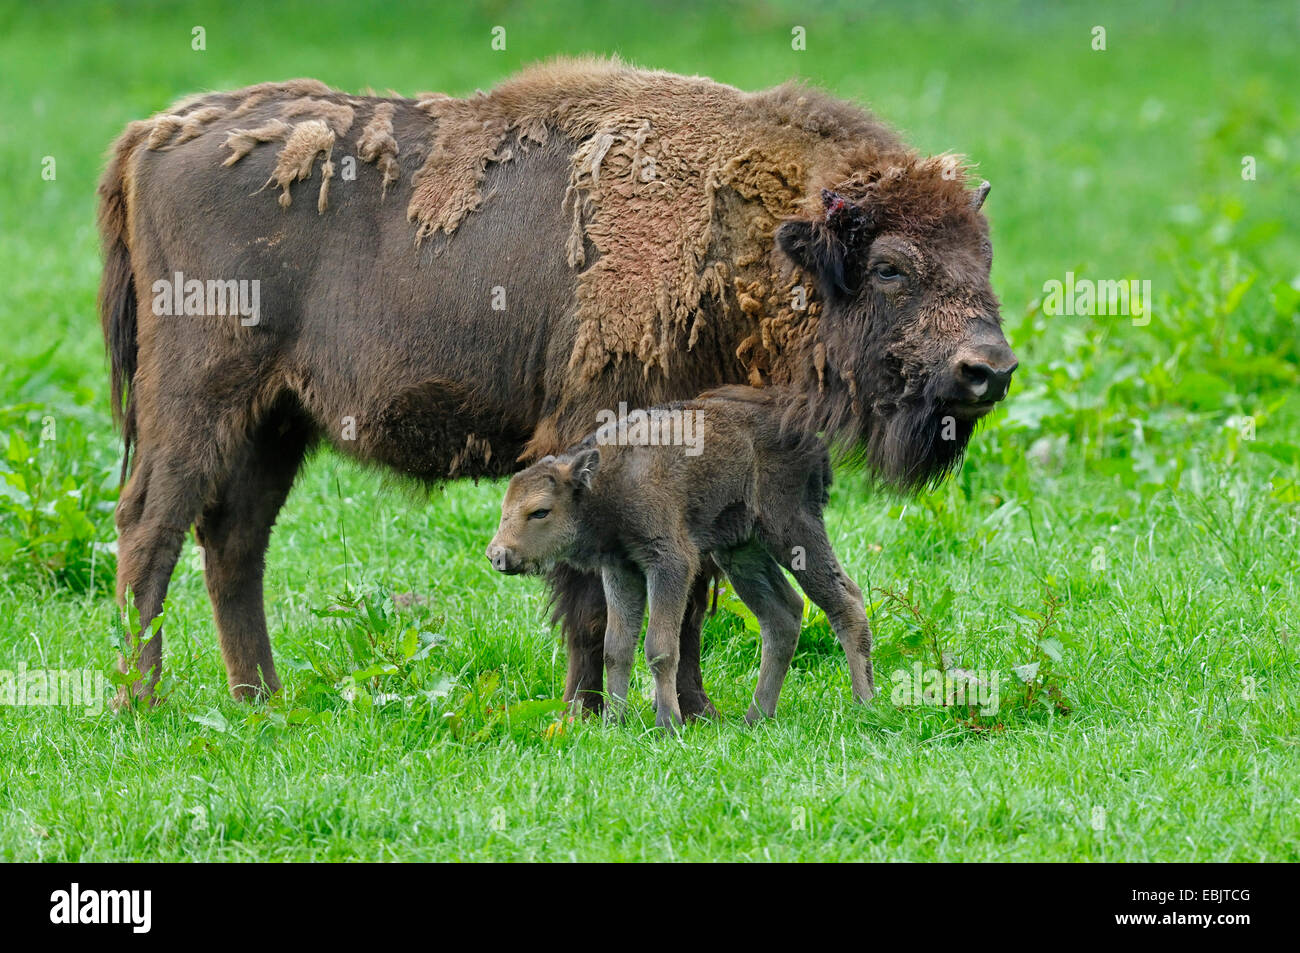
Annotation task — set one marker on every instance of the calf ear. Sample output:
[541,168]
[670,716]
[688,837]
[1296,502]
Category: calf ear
[582,471]
[822,247]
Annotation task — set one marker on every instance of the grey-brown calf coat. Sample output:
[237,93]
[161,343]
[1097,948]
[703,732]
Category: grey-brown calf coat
[647,517]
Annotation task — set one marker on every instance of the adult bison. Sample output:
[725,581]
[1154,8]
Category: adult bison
[494,271]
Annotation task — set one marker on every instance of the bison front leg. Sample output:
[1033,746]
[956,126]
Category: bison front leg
[234,532]
[578,600]
[579,608]
[827,584]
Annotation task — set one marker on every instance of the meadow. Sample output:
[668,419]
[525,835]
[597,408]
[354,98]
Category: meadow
[1120,548]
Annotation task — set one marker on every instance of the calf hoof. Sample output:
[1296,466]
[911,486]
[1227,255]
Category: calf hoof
[668,722]
[755,714]
[615,712]
[253,693]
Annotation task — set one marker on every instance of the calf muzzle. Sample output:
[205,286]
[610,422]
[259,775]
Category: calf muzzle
[502,559]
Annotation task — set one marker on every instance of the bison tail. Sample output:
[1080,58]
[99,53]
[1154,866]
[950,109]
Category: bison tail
[117,300]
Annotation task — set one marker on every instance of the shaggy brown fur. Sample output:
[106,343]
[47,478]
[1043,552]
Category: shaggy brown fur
[653,236]
[646,190]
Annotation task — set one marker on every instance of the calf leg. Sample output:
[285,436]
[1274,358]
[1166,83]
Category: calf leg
[578,602]
[624,608]
[234,531]
[667,590]
[763,587]
[825,582]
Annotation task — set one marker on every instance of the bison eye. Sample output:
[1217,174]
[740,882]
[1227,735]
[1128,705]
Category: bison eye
[886,272]
[539,514]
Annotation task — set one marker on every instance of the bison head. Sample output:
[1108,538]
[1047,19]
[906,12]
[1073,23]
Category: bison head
[911,352]
[539,515]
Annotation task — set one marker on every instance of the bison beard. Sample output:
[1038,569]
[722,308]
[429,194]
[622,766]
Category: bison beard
[906,441]
[629,214]
[910,450]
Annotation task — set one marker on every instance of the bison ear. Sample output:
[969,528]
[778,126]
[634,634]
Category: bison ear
[823,247]
[797,239]
[583,468]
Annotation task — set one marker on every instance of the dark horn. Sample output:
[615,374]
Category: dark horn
[977,200]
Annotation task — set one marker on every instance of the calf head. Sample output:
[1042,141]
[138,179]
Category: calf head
[539,515]
[911,352]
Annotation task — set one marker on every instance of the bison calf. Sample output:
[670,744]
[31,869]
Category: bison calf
[739,488]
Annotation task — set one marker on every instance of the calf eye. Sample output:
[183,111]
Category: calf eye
[886,272]
[539,514]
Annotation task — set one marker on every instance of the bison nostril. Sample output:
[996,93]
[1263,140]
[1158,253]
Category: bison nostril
[976,378]
[984,382]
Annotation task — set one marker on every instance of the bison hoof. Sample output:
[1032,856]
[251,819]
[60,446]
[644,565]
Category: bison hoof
[253,693]
[586,703]
[697,705]
[138,697]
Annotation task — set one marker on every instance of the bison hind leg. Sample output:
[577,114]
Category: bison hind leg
[691,697]
[233,532]
[161,498]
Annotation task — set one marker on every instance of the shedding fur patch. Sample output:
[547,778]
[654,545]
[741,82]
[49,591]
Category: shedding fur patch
[309,139]
[303,141]
[338,116]
[378,146]
[254,96]
[188,118]
[241,142]
[655,152]
[677,184]
[175,128]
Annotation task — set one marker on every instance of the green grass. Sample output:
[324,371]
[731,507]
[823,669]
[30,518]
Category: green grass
[1121,479]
